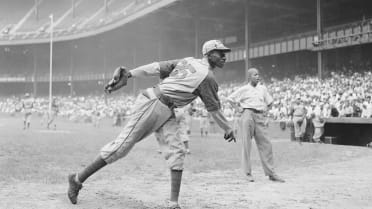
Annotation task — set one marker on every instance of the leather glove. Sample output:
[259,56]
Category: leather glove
[119,79]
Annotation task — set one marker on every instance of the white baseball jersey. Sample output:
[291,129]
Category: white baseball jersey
[249,96]
[28,104]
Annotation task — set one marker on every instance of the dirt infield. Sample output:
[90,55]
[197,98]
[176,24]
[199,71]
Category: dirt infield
[34,165]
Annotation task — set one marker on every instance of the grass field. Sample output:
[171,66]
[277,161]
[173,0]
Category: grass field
[34,165]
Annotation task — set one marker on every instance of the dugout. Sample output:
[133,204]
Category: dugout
[349,131]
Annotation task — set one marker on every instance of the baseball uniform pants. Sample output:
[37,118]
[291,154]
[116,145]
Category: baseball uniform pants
[27,116]
[299,123]
[150,115]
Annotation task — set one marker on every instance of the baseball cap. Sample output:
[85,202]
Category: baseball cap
[214,45]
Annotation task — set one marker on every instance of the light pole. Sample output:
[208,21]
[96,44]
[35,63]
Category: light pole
[51,64]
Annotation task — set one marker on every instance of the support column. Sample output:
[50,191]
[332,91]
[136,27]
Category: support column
[73,8]
[73,48]
[104,66]
[104,54]
[319,33]
[37,10]
[160,50]
[106,7]
[197,48]
[246,41]
[297,63]
[34,76]
[134,65]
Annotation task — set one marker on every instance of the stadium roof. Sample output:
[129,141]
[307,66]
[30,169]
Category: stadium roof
[267,18]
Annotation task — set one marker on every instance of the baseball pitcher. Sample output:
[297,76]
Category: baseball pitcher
[185,80]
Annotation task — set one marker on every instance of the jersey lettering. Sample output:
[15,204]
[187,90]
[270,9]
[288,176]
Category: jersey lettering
[181,83]
[183,70]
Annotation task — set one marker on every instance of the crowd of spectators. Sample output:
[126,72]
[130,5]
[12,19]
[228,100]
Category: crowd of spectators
[77,109]
[79,25]
[338,95]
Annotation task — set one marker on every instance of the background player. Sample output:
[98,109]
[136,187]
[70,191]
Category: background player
[204,123]
[53,114]
[186,79]
[27,106]
[298,113]
[96,117]
[189,117]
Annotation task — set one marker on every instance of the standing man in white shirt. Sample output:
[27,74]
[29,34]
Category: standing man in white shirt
[253,101]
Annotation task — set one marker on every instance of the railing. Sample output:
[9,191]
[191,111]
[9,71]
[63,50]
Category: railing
[350,34]
[346,35]
[56,78]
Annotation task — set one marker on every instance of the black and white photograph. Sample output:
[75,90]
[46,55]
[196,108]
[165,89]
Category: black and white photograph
[185,104]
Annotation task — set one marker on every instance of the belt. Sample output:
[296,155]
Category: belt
[254,110]
[162,98]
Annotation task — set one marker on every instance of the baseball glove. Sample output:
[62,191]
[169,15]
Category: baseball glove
[229,136]
[119,79]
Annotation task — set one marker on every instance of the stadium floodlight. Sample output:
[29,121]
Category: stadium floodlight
[51,64]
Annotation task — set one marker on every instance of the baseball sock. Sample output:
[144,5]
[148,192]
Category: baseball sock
[97,164]
[176,177]
[186,144]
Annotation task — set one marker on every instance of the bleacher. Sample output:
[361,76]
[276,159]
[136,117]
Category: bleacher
[87,15]
[18,9]
[46,7]
[83,10]
[115,9]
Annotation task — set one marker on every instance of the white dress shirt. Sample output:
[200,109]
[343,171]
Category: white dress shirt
[247,96]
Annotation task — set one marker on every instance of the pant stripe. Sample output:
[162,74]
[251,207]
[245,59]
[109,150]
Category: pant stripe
[130,132]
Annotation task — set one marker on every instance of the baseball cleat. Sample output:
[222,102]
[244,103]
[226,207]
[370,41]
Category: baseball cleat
[276,178]
[73,188]
[173,205]
[250,177]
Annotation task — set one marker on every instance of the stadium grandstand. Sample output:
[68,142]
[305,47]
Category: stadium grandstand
[310,45]
[93,37]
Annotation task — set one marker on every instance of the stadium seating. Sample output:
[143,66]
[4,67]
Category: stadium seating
[18,9]
[83,10]
[23,23]
[46,8]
